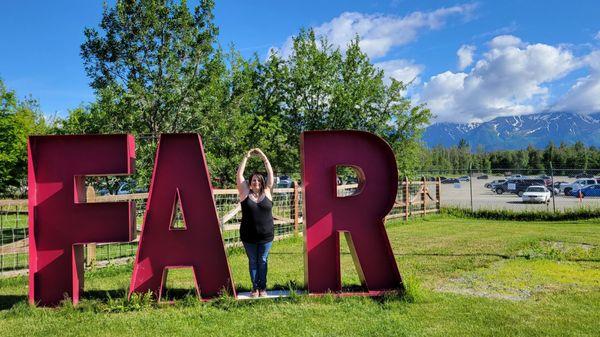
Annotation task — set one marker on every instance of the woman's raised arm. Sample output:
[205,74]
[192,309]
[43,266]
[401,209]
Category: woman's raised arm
[270,178]
[240,181]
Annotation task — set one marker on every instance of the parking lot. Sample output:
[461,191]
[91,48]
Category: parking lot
[483,198]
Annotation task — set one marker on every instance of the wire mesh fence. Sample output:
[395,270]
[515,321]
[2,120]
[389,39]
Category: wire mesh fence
[496,189]
[13,234]
[518,189]
[414,198]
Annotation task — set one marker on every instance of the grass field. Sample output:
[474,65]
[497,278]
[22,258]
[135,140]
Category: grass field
[464,277]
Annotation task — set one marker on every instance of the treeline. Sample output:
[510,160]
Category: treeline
[564,159]
[156,67]
[19,118]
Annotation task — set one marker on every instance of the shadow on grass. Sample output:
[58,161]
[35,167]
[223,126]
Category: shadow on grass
[520,202]
[186,296]
[502,256]
[104,295]
[286,253]
[8,301]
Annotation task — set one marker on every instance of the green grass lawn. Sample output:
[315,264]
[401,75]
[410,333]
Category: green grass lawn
[464,277]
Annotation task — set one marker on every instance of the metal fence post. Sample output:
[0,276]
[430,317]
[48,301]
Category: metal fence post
[438,196]
[552,186]
[471,185]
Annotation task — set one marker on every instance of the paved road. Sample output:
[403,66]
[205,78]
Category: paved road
[486,199]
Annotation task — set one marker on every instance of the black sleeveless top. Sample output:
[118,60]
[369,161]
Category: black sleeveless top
[257,221]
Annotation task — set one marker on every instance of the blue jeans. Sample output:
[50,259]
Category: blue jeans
[258,254]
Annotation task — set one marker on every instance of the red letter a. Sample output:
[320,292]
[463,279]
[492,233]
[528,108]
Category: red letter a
[360,216]
[181,177]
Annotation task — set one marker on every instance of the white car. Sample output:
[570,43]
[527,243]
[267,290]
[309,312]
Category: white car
[537,194]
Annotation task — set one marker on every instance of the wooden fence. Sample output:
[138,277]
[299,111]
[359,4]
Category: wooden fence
[414,198]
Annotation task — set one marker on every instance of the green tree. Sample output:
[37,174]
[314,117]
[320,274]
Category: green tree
[534,164]
[18,120]
[269,120]
[149,64]
[322,88]
[156,69]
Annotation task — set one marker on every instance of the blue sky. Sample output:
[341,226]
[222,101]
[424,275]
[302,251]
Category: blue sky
[469,61]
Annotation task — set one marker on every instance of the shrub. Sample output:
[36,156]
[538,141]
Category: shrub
[528,215]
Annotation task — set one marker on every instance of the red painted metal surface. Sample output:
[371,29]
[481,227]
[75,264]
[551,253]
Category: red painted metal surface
[181,177]
[60,220]
[360,216]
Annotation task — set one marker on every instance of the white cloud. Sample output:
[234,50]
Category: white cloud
[402,70]
[378,32]
[597,37]
[508,80]
[504,41]
[465,56]
[593,60]
[584,95]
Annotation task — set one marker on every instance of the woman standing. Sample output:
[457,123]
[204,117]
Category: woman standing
[256,230]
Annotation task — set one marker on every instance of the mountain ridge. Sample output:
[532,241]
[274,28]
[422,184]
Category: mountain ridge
[518,132]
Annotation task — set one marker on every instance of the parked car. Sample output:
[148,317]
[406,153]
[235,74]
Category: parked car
[351,180]
[451,181]
[518,186]
[577,185]
[554,189]
[494,183]
[129,188]
[588,191]
[464,178]
[483,176]
[124,187]
[285,182]
[560,186]
[103,191]
[536,194]
[547,179]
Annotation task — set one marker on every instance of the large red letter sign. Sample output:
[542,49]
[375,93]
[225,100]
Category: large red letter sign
[181,179]
[360,216]
[60,220]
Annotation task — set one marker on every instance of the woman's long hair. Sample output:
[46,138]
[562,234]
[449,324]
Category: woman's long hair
[261,180]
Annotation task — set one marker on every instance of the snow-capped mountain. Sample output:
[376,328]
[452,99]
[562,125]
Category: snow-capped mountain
[517,132]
